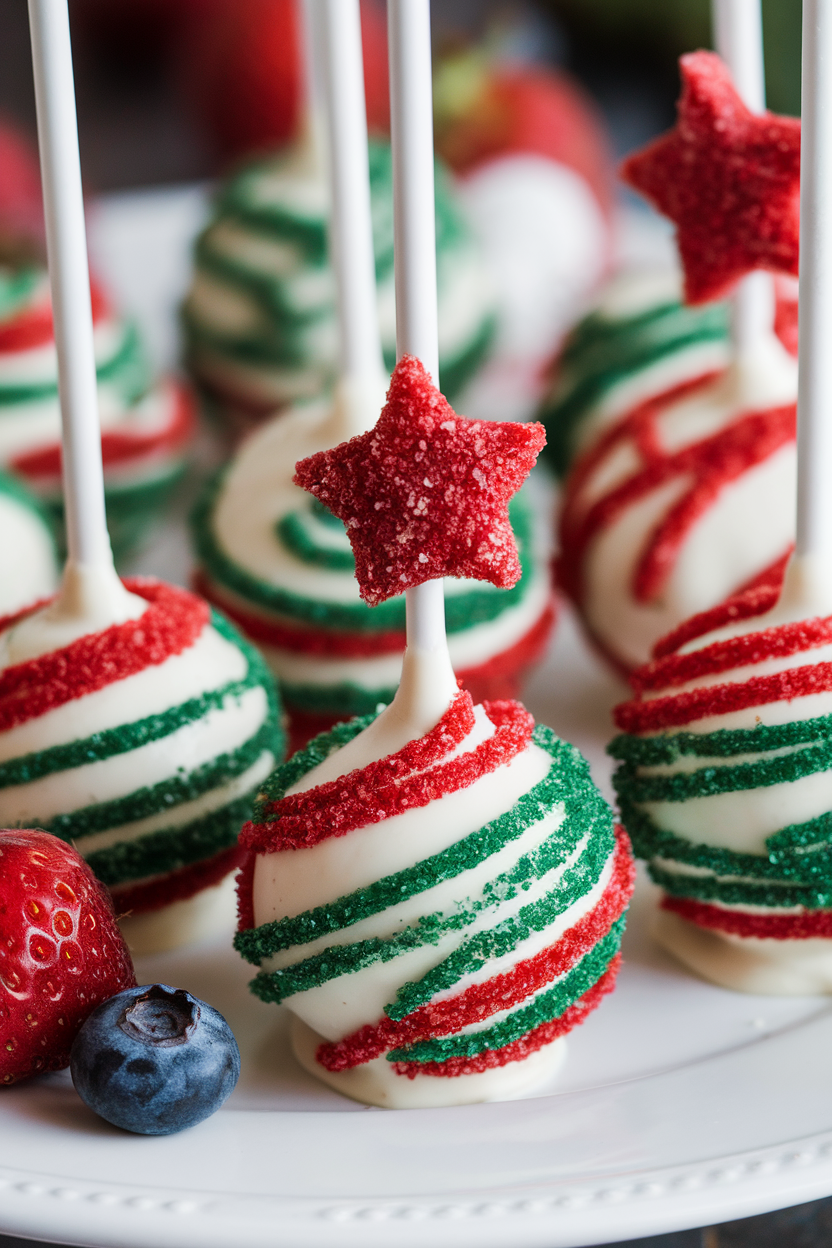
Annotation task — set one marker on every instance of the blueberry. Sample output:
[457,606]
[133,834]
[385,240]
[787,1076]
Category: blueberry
[155,1060]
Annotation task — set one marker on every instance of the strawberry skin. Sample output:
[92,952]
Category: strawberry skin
[61,952]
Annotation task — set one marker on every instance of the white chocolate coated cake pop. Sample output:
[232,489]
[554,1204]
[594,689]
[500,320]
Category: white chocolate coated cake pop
[141,741]
[260,316]
[436,893]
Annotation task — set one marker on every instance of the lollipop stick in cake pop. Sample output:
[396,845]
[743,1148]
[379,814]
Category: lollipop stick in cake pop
[738,30]
[813,559]
[337,26]
[91,595]
[423,494]
[427,676]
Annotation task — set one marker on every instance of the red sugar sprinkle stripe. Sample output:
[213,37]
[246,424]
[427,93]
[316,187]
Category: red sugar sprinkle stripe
[520,1049]
[684,708]
[245,889]
[503,669]
[178,886]
[804,926]
[499,677]
[724,656]
[120,446]
[172,622]
[480,1001]
[754,598]
[708,465]
[408,780]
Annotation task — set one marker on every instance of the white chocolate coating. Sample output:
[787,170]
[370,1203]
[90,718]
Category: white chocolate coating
[203,746]
[755,811]
[28,559]
[293,882]
[745,527]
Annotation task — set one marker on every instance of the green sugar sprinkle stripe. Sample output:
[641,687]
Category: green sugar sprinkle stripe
[16,288]
[280,351]
[546,1005]
[112,741]
[738,892]
[602,353]
[462,611]
[724,743]
[261,942]
[127,367]
[166,795]
[430,929]
[293,532]
[796,871]
[171,848]
[483,947]
[273,293]
[684,786]
[126,737]
[345,699]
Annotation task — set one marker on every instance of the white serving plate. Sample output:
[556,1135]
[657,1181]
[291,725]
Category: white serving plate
[679,1104]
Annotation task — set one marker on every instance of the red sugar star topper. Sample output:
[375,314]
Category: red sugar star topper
[425,493]
[728,178]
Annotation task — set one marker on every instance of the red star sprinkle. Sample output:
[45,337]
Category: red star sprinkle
[727,177]
[425,493]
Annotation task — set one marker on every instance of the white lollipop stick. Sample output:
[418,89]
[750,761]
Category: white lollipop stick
[411,118]
[351,228]
[87,538]
[814,405]
[91,595]
[738,30]
[312,136]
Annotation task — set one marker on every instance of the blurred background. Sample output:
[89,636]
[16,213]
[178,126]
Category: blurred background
[175,90]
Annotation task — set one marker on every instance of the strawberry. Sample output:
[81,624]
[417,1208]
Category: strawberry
[61,952]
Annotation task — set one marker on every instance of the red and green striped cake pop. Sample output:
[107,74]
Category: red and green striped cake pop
[681,474]
[438,914]
[725,761]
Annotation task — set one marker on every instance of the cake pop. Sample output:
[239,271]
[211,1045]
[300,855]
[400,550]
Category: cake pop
[681,492]
[146,428]
[436,892]
[260,316]
[723,776]
[436,910]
